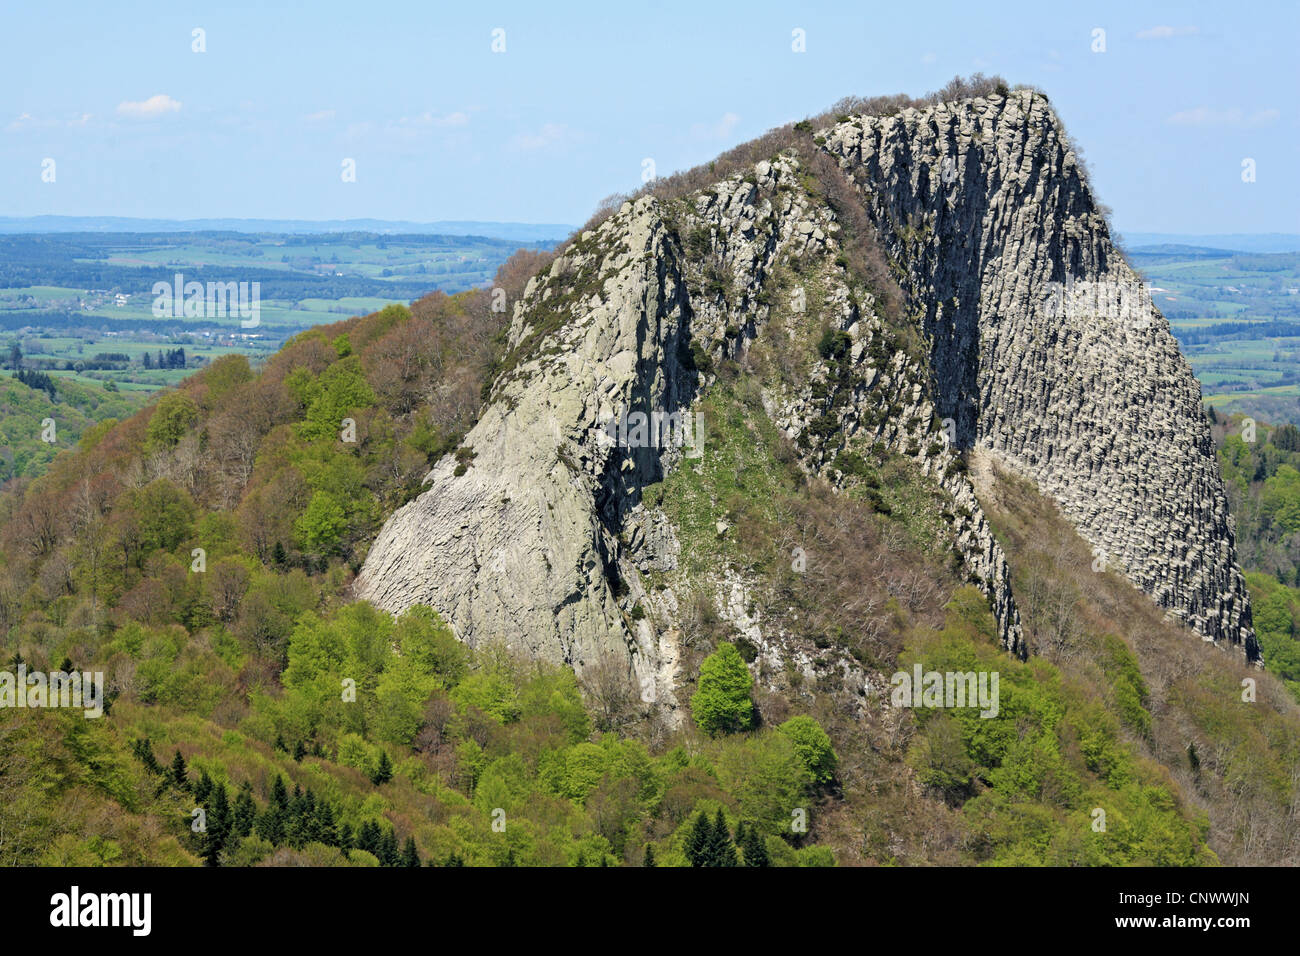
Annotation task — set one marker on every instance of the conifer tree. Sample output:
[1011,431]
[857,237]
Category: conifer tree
[720,851]
[384,772]
[649,859]
[368,838]
[203,789]
[388,853]
[180,774]
[410,855]
[218,831]
[279,794]
[325,830]
[697,844]
[755,848]
[245,812]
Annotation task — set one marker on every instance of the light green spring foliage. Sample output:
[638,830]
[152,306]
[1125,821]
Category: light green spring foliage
[1030,780]
[813,747]
[174,415]
[80,410]
[721,703]
[1264,475]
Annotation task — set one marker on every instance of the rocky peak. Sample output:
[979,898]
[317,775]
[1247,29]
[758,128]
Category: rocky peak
[1046,348]
[1034,342]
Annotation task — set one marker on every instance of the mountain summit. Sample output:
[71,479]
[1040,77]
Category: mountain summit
[934,290]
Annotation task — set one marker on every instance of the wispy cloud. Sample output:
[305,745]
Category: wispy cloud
[722,129]
[157,105]
[28,121]
[1166,32]
[1204,116]
[436,121]
[550,134]
[320,116]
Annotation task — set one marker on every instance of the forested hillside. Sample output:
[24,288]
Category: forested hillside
[1261,465]
[199,554]
[31,401]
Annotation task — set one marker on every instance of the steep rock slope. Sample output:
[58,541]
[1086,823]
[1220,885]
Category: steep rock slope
[1046,348]
[536,531]
[1041,348]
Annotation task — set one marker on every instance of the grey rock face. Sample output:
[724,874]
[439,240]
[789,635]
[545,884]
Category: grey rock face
[541,540]
[1046,349]
[1043,349]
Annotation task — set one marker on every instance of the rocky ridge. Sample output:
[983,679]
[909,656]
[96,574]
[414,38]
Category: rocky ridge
[1046,348]
[1039,345]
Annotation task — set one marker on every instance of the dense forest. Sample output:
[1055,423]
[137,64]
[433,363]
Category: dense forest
[199,553]
[1261,468]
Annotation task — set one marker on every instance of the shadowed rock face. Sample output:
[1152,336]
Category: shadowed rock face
[1047,349]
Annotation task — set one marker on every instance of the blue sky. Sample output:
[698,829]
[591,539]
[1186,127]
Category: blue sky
[440,127]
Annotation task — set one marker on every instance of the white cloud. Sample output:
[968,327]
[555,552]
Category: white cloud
[1204,116]
[549,135]
[435,120]
[156,105]
[722,129]
[320,116]
[1166,32]
[28,121]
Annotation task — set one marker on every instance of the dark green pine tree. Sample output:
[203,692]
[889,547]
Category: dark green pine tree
[277,555]
[219,823]
[697,844]
[649,859]
[384,772]
[144,750]
[325,828]
[410,855]
[270,825]
[755,849]
[388,853]
[346,842]
[279,793]
[368,838]
[299,751]
[180,773]
[455,859]
[245,812]
[720,850]
[203,789]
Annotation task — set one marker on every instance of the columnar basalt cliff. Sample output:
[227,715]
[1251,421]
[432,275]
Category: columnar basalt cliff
[1034,340]
[1046,348]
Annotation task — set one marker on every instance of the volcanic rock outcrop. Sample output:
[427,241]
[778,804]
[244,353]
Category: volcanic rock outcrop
[1039,345]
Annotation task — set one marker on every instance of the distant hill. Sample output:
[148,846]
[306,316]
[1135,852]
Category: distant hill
[1176,251]
[519,231]
[1236,242]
